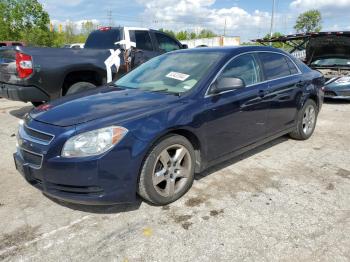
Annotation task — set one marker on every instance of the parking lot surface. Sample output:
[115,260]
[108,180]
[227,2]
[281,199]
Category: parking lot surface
[285,201]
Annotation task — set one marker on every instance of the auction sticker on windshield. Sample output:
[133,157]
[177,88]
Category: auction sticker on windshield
[177,76]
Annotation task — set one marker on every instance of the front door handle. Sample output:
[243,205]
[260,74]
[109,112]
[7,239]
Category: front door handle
[300,84]
[263,93]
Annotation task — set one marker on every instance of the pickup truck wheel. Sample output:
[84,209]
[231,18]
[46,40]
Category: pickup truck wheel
[168,171]
[79,87]
[306,121]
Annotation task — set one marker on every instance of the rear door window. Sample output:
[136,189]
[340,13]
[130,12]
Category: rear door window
[293,69]
[275,65]
[103,39]
[142,39]
[166,43]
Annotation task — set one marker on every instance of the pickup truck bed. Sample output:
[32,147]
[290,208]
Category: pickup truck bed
[38,75]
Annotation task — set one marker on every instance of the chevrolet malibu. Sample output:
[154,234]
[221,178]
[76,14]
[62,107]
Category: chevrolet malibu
[148,133]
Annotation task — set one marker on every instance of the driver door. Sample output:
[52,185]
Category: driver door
[237,118]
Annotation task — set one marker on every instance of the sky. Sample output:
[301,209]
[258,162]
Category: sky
[248,19]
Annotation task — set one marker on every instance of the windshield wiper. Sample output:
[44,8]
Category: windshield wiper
[164,90]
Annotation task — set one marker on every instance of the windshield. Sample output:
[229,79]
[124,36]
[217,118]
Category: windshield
[331,62]
[103,39]
[173,72]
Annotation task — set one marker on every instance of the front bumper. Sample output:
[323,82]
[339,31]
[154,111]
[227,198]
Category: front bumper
[337,91]
[104,180]
[22,93]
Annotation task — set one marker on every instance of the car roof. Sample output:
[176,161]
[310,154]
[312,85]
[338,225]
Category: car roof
[231,50]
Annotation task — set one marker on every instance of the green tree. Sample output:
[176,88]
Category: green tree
[87,27]
[274,35]
[309,21]
[193,35]
[182,35]
[24,20]
[206,33]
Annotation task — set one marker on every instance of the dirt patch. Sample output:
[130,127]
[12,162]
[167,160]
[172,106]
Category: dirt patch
[215,213]
[343,173]
[330,186]
[16,239]
[187,225]
[195,201]
[205,218]
[183,218]
[1,204]
[165,207]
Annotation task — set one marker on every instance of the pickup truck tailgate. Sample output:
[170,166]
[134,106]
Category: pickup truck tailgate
[8,72]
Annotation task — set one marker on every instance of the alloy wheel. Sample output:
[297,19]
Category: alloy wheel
[309,120]
[172,170]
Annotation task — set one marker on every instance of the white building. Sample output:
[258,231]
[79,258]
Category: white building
[213,41]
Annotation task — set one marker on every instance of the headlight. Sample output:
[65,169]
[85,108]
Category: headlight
[343,80]
[93,142]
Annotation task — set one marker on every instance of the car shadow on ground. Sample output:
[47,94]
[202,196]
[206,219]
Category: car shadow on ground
[21,112]
[337,101]
[98,209]
[239,158]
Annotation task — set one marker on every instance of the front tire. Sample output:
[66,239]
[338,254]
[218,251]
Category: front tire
[168,171]
[80,87]
[306,121]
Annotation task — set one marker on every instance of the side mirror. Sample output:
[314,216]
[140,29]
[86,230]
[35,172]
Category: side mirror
[184,46]
[227,84]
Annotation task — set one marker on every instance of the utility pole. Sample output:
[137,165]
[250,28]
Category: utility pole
[272,18]
[110,17]
[225,28]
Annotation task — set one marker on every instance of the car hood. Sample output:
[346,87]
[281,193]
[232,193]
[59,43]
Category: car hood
[328,46]
[100,103]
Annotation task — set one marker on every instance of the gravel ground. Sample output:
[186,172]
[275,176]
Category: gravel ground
[285,201]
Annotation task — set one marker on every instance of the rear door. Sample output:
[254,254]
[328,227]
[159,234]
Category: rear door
[144,44]
[237,118]
[285,90]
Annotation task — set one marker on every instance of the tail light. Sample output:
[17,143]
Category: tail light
[24,65]
[105,28]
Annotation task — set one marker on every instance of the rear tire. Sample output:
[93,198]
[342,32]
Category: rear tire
[306,121]
[168,171]
[80,87]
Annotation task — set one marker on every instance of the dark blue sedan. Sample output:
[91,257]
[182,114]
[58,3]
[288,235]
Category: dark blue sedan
[148,133]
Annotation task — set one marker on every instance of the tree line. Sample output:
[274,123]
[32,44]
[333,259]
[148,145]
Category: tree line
[27,21]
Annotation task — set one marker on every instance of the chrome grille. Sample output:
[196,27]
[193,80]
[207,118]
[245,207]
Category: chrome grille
[31,158]
[34,135]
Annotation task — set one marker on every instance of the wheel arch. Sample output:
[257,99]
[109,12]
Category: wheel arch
[85,75]
[190,136]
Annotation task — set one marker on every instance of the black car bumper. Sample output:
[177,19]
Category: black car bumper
[22,93]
